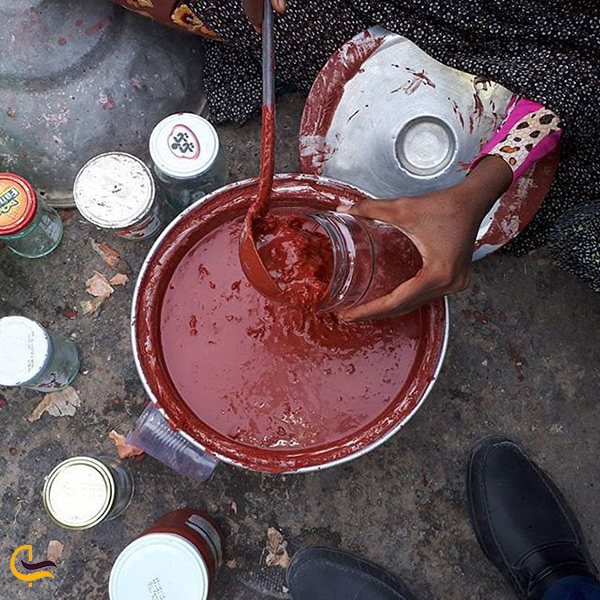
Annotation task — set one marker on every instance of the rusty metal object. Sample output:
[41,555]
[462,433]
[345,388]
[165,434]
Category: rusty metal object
[82,77]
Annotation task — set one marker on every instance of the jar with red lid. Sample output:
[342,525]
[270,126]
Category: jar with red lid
[176,559]
[27,226]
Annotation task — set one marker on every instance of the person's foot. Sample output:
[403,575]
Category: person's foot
[328,574]
[522,522]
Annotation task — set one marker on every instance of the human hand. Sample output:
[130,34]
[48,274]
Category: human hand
[443,225]
[255,8]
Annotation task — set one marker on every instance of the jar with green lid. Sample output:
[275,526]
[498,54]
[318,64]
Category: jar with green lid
[27,226]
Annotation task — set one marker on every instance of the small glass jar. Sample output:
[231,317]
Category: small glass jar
[27,226]
[116,191]
[189,161]
[32,357]
[370,259]
[82,492]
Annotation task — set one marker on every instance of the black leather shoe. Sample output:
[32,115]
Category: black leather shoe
[522,522]
[328,574]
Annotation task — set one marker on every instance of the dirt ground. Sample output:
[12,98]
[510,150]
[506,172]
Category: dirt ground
[522,361]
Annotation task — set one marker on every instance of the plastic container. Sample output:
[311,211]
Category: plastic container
[117,191]
[189,161]
[27,226]
[176,559]
[32,357]
[82,492]
[154,436]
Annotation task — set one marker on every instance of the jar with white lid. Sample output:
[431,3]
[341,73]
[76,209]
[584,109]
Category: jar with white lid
[83,491]
[116,191]
[176,559]
[32,357]
[189,162]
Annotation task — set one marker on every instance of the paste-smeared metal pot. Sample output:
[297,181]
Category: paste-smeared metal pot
[168,252]
[83,77]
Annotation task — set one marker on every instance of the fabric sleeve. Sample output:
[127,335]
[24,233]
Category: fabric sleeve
[529,133]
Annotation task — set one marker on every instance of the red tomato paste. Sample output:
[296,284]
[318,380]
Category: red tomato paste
[268,376]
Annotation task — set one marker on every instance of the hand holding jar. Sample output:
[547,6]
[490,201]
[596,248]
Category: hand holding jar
[443,226]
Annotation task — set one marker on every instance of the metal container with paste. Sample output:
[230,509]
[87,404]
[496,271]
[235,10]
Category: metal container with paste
[243,379]
[176,559]
[82,492]
[116,191]
[189,161]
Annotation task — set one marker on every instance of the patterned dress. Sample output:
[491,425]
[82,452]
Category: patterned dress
[545,50]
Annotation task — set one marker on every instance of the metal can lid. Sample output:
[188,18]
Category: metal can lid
[18,203]
[114,190]
[184,145]
[24,350]
[79,493]
[159,565]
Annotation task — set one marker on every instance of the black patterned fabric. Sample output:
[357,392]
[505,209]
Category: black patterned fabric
[545,50]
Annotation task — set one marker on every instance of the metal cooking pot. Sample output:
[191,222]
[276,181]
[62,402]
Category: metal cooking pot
[162,260]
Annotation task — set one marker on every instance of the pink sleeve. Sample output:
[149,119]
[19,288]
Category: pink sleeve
[529,132]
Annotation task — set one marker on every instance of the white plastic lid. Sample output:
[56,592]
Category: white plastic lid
[184,145]
[114,190]
[159,565]
[24,350]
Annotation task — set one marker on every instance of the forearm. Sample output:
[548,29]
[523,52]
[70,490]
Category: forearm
[488,180]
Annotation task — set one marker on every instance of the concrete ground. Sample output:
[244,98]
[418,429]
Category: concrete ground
[522,361]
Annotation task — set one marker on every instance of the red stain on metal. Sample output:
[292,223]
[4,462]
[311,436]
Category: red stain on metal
[97,26]
[280,393]
[325,97]
[62,41]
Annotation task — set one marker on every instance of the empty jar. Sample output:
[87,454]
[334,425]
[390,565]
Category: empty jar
[27,226]
[32,357]
[189,161]
[370,259]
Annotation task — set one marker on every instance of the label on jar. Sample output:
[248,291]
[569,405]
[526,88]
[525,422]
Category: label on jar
[17,204]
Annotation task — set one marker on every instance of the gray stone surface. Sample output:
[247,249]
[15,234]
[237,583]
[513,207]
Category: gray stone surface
[522,361]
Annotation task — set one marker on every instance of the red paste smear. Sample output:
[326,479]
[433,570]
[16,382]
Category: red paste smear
[298,257]
[265,375]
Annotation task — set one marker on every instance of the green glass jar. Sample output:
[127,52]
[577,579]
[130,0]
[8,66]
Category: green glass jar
[27,226]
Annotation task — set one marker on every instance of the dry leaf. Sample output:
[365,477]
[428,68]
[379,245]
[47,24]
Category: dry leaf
[111,257]
[231,564]
[91,307]
[98,286]
[277,554]
[124,450]
[55,550]
[59,404]
[119,279]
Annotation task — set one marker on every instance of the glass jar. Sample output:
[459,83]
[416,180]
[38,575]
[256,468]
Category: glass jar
[27,226]
[370,259]
[32,357]
[116,191]
[82,492]
[189,162]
